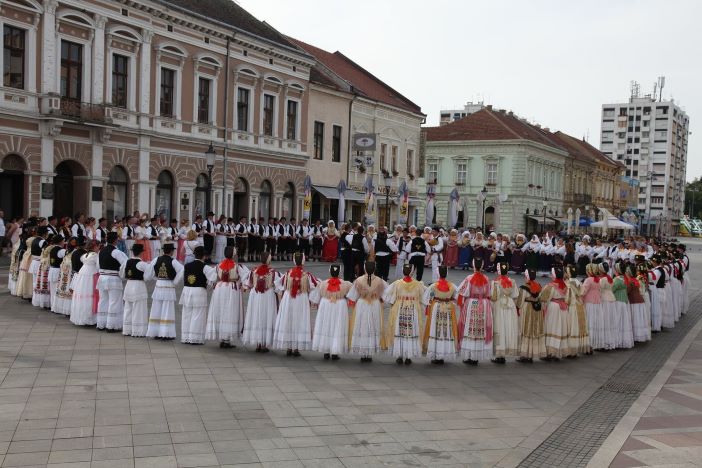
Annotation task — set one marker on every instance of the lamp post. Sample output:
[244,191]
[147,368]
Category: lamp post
[545,204]
[387,178]
[210,156]
[484,192]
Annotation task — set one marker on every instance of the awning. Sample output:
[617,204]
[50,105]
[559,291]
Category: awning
[540,220]
[352,195]
[332,193]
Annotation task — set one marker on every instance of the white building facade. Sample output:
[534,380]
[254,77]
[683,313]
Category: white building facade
[451,115]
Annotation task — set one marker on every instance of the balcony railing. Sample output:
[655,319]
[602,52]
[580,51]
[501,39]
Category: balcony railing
[84,111]
[582,199]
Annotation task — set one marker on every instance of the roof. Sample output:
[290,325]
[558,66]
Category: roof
[582,148]
[363,82]
[488,124]
[574,149]
[230,13]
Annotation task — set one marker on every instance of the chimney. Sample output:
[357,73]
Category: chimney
[489,107]
[510,113]
[502,111]
[547,129]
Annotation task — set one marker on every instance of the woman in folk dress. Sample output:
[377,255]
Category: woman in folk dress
[367,317]
[625,338]
[505,334]
[451,249]
[24,286]
[556,315]
[592,298]
[42,292]
[330,248]
[475,322]
[531,318]
[612,324]
[331,327]
[402,333]
[292,326]
[141,235]
[83,284]
[441,336]
[640,315]
[226,311]
[15,260]
[578,337]
[64,293]
[261,307]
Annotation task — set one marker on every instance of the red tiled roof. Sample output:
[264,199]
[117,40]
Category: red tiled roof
[488,124]
[582,148]
[364,83]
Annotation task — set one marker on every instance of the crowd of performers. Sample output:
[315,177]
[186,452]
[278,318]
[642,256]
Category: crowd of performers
[630,290]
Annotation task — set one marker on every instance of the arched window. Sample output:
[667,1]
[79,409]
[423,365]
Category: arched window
[200,195]
[164,195]
[264,204]
[289,202]
[116,200]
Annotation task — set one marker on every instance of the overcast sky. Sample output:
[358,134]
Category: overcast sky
[553,62]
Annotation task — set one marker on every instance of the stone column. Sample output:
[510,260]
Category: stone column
[99,60]
[144,184]
[145,78]
[49,82]
[97,180]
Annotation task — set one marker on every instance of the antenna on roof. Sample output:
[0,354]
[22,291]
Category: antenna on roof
[635,90]
[661,83]
[655,88]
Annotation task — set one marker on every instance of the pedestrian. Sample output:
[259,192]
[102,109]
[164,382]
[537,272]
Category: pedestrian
[226,311]
[136,311]
[331,327]
[168,272]
[110,311]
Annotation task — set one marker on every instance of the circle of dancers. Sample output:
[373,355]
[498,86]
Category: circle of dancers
[599,295]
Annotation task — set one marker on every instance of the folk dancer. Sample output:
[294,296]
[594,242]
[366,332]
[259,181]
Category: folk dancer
[83,283]
[110,311]
[261,307]
[402,335]
[331,326]
[531,318]
[193,299]
[57,253]
[578,337]
[556,316]
[475,322]
[136,311]
[384,250]
[366,323]
[39,296]
[505,319]
[64,291]
[167,272]
[441,338]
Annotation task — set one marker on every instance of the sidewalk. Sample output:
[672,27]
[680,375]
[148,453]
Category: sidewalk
[664,426]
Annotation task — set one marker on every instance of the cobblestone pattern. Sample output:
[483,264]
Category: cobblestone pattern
[582,434]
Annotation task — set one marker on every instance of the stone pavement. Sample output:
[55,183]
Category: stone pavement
[74,397]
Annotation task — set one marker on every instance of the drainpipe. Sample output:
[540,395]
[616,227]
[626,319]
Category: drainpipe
[226,120]
[348,158]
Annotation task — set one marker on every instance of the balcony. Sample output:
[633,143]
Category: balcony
[84,111]
[582,199]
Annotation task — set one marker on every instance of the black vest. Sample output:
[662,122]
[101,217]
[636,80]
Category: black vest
[103,235]
[164,268]
[106,262]
[75,259]
[194,275]
[36,247]
[131,271]
[381,245]
[130,232]
[687,264]
[344,243]
[54,260]
[418,245]
[357,242]
[660,284]
[79,231]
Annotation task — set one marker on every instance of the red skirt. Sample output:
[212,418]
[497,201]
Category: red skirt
[330,249]
[147,256]
[451,256]
[180,253]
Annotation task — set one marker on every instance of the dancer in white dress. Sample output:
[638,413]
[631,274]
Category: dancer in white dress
[366,322]
[612,324]
[41,296]
[475,323]
[83,284]
[555,316]
[504,315]
[261,307]
[292,326]
[226,313]
[136,310]
[441,337]
[167,272]
[406,295]
[656,283]
[625,337]
[331,327]
[640,316]
[193,298]
[110,310]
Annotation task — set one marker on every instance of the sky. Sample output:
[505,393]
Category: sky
[552,62]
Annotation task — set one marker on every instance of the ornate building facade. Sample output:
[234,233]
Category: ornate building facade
[109,107]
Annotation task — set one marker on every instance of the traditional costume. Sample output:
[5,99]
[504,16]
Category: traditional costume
[56,255]
[656,282]
[612,323]
[367,317]
[578,337]
[83,285]
[41,296]
[40,289]
[640,313]
[168,272]
[331,326]
[193,299]
[69,268]
[533,341]
[136,311]
[15,260]
[441,337]
[625,338]
[261,307]
[402,334]
[475,323]
[330,248]
[505,331]
[25,287]
[451,250]
[556,315]
[226,313]
[110,311]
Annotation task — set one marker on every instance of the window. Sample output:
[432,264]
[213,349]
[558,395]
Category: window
[116,199]
[167,89]
[410,161]
[71,70]
[292,120]
[492,174]
[383,154]
[120,78]
[164,195]
[336,143]
[432,172]
[393,152]
[203,101]
[13,57]
[318,140]
[461,170]
[242,109]
[268,114]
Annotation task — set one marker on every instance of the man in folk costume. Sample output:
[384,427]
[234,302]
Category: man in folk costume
[36,248]
[345,252]
[136,311]
[317,240]
[153,231]
[402,240]
[417,249]
[226,313]
[359,249]
[208,234]
[304,236]
[167,272]
[531,318]
[403,329]
[475,322]
[110,313]
[367,337]
[101,231]
[197,227]
[253,238]
[78,227]
[331,327]
[193,298]
[384,250]
[270,236]
[262,306]
[283,237]
[504,315]
[441,340]
[437,251]
[129,233]
[292,326]
[57,253]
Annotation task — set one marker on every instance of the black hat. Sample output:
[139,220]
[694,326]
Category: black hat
[198,252]
[137,249]
[168,248]
[111,237]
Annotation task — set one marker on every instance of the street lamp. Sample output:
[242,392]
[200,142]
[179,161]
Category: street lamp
[210,156]
[387,178]
[545,204]
[484,192]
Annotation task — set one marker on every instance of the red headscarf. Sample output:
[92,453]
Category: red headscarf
[559,283]
[442,285]
[295,274]
[226,264]
[478,279]
[534,287]
[505,282]
[334,285]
